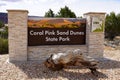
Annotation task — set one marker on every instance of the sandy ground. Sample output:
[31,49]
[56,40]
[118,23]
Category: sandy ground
[109,69]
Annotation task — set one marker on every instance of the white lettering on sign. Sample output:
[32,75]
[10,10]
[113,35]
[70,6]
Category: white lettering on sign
[36,33]
[50,32]
[51,39]
[64,39]
[76,33]
[47,32]
[63,33]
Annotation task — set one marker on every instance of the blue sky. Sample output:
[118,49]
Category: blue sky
[39,7]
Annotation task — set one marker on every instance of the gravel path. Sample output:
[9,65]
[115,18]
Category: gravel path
[109,69]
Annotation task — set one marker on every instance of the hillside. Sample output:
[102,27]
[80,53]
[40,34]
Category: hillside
[55,23]
[4,17]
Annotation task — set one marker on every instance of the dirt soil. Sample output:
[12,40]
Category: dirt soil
[109,69]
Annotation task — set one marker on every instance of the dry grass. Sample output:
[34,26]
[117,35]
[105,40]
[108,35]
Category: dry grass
[109,69]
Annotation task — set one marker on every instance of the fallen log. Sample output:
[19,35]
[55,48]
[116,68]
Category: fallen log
[71,58]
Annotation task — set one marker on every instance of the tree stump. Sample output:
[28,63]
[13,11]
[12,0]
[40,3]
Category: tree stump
[71,58]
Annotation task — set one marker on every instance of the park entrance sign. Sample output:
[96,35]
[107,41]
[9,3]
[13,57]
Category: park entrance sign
[35,38]
[56,31]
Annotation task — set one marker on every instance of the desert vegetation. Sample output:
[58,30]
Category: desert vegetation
[3,38]
[64,12]
[112,25]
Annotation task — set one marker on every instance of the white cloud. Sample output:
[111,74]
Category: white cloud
[2,4]
[11,0]
[69,1]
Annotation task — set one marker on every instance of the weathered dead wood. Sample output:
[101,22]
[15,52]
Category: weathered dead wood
[71,58]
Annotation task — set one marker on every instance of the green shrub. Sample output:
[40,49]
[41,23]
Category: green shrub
[3,46]
[1,24]
[112,25]
[4,34]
